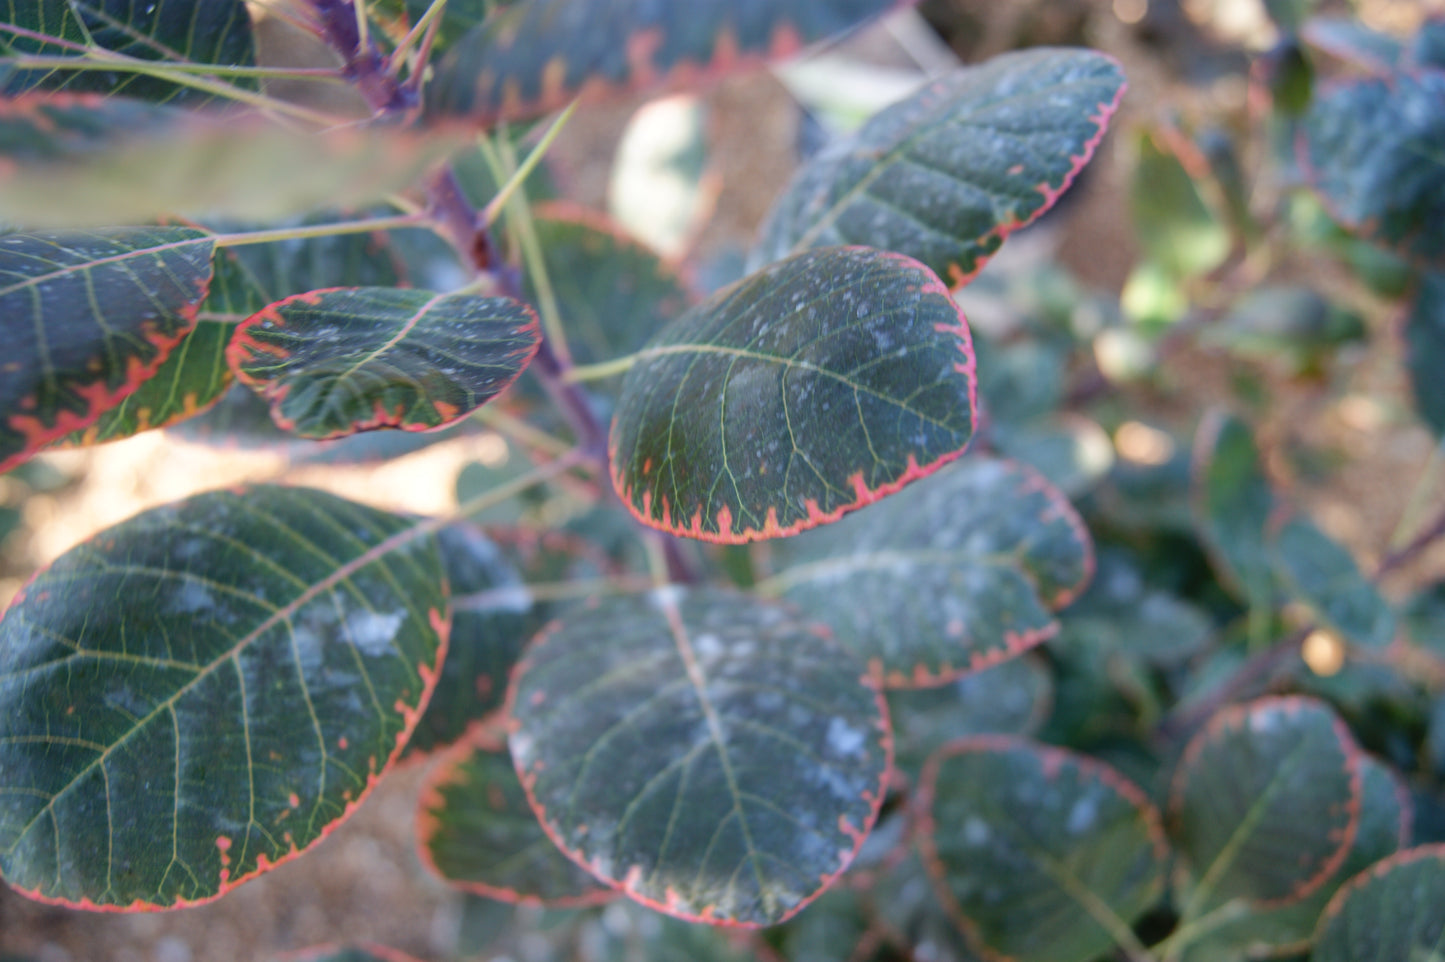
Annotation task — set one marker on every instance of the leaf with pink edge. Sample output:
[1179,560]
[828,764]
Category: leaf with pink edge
[1389,912]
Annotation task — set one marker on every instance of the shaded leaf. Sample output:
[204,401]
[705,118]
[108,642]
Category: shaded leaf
[1325,577]
[165,735]
[1027,844]
[88,316]
[190,31]
[458,17]
[1374,150]
[1121,612]
[1390,912]
[712,756]
[1290,327]
[1425,350]
[479,834]
[959,572]
[1177,228]
[1265,804]
[1349,40]
[1427,47]
[809,389]
[950,172]
[630,933]
[1233,503]
[1385,817]
[77,160]
[1424,617]
[338,361]
[368,952]
[536,56]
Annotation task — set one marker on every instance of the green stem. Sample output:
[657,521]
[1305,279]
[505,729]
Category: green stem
[322,230]
[93,62]
[417,31]
[363,26]
[504,492]
[1182,937]
[519,430]
[602,371]
[495,205]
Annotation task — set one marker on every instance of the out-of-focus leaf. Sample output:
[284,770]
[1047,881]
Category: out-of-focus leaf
[366,952]
[660,190]
[76,160]
[1390,911]
[1427,48]
[1122,613]
[1374,150]
[959,572]
[1424,617]
[1425,350]
[479,834]
[1349,40]
[713,756]
[1025,843]
[1233,503]
[193,31]
[88,316]
[1073,453]
[536,56]
[1265,804]
[1325,577]
[458,17]
[339,361]
[1292,327]
[807,390]
[949,173]
[1176,227]
[629,933]
[238,715]
[1008,699]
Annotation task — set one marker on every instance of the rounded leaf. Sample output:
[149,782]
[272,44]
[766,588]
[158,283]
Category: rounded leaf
[89,316]
[711,755]
[1325,577]
[809,389]
[478,832]
[1265,804]
[334,362]
[1233,502]
[1032,849]
[961,571]
[167,734]
[950,172]
[1390,913]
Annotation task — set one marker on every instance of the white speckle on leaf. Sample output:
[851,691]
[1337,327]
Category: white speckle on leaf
[1081,816]
[844,739]
[372,631]
[976,831]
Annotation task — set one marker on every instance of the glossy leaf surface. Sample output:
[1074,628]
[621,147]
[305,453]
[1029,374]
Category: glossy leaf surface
[1372,148]
[167,735]
[1265,804]
[1391,911]
[88,316]
[959,572]
[352,359]
[1012,698]
[1425,350]
[536,56]
[1385,819]
[1233,503]
[709,754]
[809,389]
[950,172]
[1325,577]
[1026,843]
[478,832]
[194,31]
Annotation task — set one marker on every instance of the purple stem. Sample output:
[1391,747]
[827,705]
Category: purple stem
[366,68]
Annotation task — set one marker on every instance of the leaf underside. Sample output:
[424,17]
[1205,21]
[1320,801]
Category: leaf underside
[711,755]
[959,571]
[536,56]
[1391,911]
[88,316]
[165,736]
[1024,842]
[809,389]
[353,359]
[947,174]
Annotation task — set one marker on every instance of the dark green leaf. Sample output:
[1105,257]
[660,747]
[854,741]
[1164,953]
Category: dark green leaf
[1233,504]
[1390,912]
[165,736]
[1028,845]
[478,833]
[191,31]
[87,317]
[1425,350]
[356,953]
[1265,804]
[713,756]
[1374,149]
[1424,617]
[1349,40]
[1427,49]
[809,389]
[1385,817]
[959,572]
[536,56]
[1177,229]
[1288,326]
[1324,576]
[339,361]
[1122,613]
[950,172]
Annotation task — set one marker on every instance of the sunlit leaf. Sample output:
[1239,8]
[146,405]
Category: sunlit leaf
[959,572]
[711,755]
[166,735]
[479,834]
[1324,575]
[88,316]
[809,389]
[1374,150]
[335,362]
[1265,804]
[1389,912]
[536,56]
[1029,846]
[947,174]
